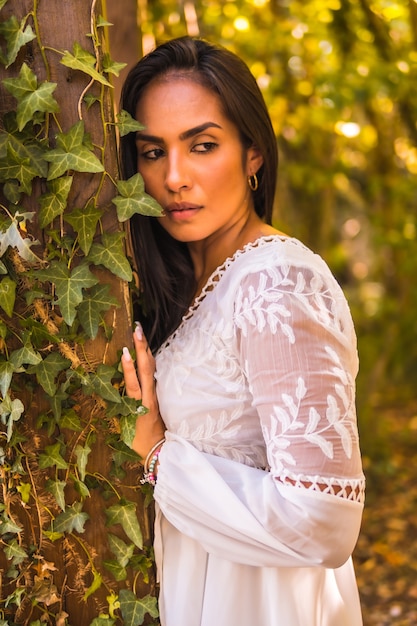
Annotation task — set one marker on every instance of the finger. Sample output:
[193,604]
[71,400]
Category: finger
[145,367]
[132,384]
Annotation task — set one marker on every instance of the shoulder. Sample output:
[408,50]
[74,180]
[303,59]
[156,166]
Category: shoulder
[274,252]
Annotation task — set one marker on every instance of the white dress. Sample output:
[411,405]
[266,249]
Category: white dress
[260,487]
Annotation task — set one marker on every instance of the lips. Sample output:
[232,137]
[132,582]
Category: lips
[182,210]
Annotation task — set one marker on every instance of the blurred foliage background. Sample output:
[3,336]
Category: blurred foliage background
[340,81]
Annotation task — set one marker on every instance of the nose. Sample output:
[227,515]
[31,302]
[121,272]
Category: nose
[177,174]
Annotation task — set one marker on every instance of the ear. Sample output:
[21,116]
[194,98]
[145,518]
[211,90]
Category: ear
[254,160]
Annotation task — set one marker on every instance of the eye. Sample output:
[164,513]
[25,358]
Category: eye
[151,155]
[205,146]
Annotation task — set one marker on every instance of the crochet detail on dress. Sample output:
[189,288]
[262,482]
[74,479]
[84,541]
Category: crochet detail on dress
[221,269]
[348,489]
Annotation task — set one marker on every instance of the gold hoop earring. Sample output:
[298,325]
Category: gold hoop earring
[253,182]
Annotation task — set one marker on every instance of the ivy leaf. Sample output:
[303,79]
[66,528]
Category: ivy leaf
[133,199]
[85,62]
[125,514]
[71,519]
[18,166]
[110,66]
[126,406]
[6,373]
[121,550]
[127,124]
[8,526]
[128,428]
[84,222]
[10,412]
[25,144]
[134,609]
[7,295]
[47,370]
[100,383]
[13,238]
[82,458]
[71,153]
[14,552]
[52,458]
[96,584]
[26,355]
[56,488]
[69,286]
[16,36]
[54,202]
[118,572]
[110,253]
[30,96]
[101,621]
[90,309]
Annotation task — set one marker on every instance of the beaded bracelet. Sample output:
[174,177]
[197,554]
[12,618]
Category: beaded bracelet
[150,463]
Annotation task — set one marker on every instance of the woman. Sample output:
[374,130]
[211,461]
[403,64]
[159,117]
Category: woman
[251,438]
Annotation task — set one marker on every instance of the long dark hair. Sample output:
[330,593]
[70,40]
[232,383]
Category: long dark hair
[165,270]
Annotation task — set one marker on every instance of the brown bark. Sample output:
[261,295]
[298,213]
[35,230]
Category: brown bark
[61,25]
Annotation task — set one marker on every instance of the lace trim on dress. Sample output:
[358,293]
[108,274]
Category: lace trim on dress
[346,488]
[216,276]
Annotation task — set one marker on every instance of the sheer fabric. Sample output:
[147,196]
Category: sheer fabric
[260,487]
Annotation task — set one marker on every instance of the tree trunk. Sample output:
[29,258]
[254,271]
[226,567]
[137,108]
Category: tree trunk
[69,567]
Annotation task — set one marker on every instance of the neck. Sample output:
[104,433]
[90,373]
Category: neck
[210,253]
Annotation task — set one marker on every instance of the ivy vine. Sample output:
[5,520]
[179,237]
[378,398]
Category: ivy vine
[52,304]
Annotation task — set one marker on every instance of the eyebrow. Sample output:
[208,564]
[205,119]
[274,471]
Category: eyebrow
[187,134]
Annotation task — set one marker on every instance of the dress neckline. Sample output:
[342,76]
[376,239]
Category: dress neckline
[218,273]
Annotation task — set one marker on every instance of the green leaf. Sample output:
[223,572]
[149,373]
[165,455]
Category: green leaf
[128,428]
[25,145]
[7,295]
[15,553]
[12,237]
[71,153]
[18,166]
[52,458]
[9,526]
[110,66]
[6,373]
[127,124]
[54,202]
[125,514]
[30,96]
[100,382]
[25,490]
[70,420]
[69,286]
[96,584]
[56,488]
[16,36]
[82,458]
[47,370]
[25,355]
[85,62]
[111,254]
[10,412]
[133,199]
[121,550]
[101,620]
[71,519]
[134,609]
[118,572]
[84,222]
[93,304]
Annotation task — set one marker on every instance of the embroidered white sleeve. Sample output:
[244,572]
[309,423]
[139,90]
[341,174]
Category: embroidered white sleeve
[298,350]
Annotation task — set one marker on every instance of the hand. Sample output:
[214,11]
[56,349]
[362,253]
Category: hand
[140,384]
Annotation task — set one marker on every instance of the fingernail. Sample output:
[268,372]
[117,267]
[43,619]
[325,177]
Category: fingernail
[126,354]
[139,331]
